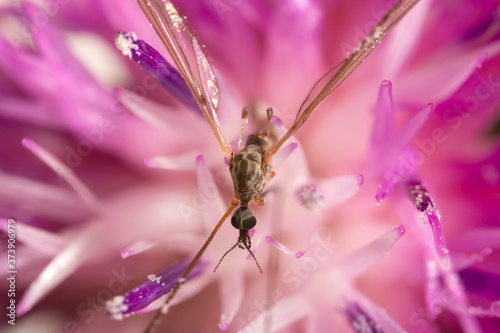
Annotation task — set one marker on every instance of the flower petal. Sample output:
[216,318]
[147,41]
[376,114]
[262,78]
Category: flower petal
[384,124]
[360,321]
[271,241]
[136,248]
[64,172]
[154,63]
[284,312]
[157,286]
[362,259]
[232,290]
[37,238]
[64,264]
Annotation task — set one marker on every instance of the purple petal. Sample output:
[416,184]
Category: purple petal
[360,321]
[481,282]
[366,314]
[146,293]
[154,63]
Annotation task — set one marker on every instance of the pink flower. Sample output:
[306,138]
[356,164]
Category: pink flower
[383,214]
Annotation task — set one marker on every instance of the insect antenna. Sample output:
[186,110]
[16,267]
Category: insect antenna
[164,308]
[238,243]
[251,253]
[225,254]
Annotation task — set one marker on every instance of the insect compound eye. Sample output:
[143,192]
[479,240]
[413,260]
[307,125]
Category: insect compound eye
[250,222]
[243,219]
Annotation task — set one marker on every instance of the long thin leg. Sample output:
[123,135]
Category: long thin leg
[269,113]
[164,309]
[244,120]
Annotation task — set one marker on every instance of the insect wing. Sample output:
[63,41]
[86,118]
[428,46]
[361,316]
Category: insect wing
[190,60]
[339,73]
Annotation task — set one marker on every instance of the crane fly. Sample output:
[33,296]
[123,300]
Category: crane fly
[250,166]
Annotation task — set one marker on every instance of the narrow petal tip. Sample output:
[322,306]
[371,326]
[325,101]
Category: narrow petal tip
[401,229]
[200,160]
[361,180]
[387,84]
[126,42]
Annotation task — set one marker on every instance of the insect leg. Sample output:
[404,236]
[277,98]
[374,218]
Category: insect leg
[269,113]
[244,120]
[164,308]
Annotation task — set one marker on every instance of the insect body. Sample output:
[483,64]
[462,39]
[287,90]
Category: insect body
[250,173]
[250,167]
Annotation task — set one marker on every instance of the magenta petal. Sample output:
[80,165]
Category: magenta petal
[390,154]
[49,41]
[154,63]
[384,124]
[63,171]
[297,254]
[424,203]
[477,239]
[362,259]
[136,248]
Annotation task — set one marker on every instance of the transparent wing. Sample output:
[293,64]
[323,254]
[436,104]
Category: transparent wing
[334,77]
[190,60]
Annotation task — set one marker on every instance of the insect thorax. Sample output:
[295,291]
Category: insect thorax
[249,174]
